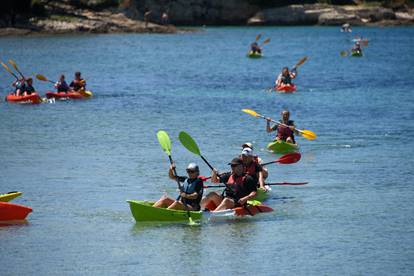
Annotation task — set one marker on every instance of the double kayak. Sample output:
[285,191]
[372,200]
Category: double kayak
[252,54]
[144,211]
[282,147]
[286,88]
[69,95]
[9,196]
[10,211]
[33,98]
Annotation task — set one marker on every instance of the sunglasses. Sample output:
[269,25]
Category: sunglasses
[191,171]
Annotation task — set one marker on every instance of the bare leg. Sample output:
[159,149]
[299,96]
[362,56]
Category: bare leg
[213,196]
[164,202]
[227,203]
[178,205]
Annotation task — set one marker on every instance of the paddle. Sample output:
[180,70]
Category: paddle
[289,158]
[16,68]
[310,135]
[8,70]
[344,53]
[268,184]
[43,78]
[188,142]
[165,143]
[301,61]
[267,40]
[258,36]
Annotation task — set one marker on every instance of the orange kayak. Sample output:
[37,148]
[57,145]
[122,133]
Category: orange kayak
[63,95]
[33,98]
[286,88]
[10,211]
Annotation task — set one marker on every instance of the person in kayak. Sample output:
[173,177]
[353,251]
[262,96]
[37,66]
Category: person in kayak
[240,187]
[61,85]
[285,78]
[191,194]
[346,28]
[252,167]
[256,158]
[19,87]
[28,87]
[255,48]
[357,48]
[284,132]
[78,84]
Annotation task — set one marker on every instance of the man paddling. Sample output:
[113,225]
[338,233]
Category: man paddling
[356,49]
[285,130]
[255,48]
[190,194]
[285,78]
[61,85]
[19,86]
[240,187]
[78,84]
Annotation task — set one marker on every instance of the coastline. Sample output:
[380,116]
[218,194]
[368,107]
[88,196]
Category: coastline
[70,20]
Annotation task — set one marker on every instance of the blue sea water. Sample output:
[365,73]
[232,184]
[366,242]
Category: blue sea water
[77,162]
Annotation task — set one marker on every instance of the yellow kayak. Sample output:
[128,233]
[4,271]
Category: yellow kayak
[9,196]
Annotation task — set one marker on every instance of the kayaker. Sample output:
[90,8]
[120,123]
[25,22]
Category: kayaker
[256,158]
[255,48]
[285,78]
[241,187]
[61,85]
[28,87]
[346,28]
[357,48]
[78,84]
[252,167]
[19,87]
[284,133]
[191,193]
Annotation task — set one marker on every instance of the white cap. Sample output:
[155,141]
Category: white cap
[192,166]
[248,145]
[247,152]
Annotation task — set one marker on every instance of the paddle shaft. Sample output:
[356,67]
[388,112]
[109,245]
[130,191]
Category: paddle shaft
[17,69]
[268,184]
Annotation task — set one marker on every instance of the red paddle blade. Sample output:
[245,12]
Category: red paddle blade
[251,210]
[289,158]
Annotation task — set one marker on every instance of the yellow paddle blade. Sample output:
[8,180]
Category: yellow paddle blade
[251,112]
[41,77]
[344,53]
[258,37]
[267,40]
[7,68]
[310,135]
[13,64]
[302,61]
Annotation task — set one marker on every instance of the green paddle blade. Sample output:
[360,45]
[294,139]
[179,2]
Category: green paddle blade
[164,141]
[188,142]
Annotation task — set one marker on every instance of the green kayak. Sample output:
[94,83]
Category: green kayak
[262,195]
[356,54]
[254,55]
[282,147]
[143,211]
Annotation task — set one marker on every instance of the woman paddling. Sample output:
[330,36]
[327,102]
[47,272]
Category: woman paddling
[190,194]
[285,78]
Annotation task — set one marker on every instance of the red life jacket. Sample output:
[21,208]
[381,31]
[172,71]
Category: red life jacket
[251,169]
[285,132]
[236,185]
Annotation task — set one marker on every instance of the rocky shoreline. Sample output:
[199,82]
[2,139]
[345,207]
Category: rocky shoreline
[64,19]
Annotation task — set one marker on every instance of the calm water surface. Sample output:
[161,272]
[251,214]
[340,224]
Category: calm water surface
[77,162]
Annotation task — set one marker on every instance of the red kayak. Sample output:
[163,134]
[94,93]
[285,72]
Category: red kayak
[286,88]
[33,98]
[63,95]
[11,211]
